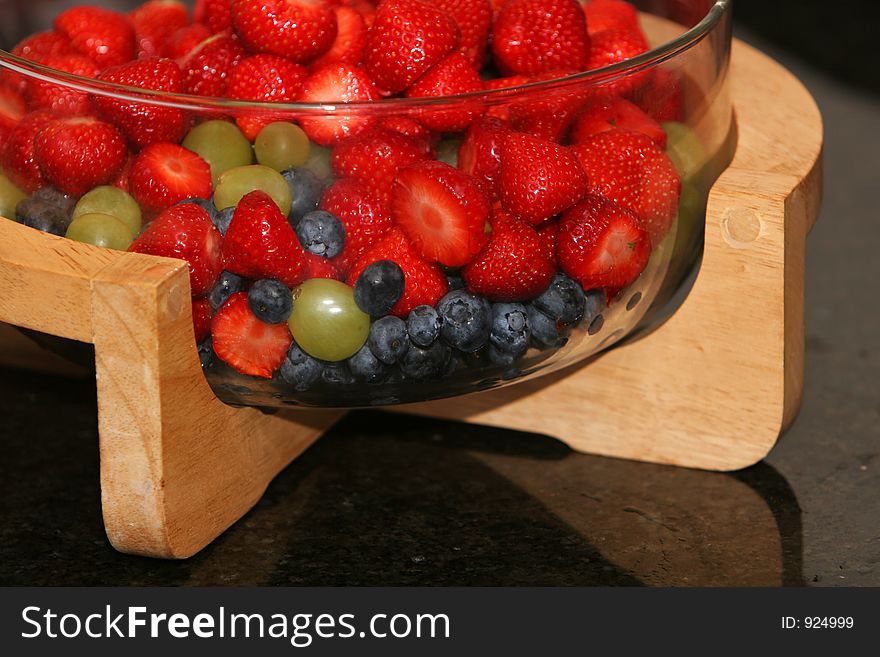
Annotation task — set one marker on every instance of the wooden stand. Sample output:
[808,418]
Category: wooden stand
[711,388]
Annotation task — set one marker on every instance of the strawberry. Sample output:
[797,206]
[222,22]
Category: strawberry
[441,210]
[407,38]
[534,36]
[300,30]
[165,173]
[502,110]
[613,46]
[154,22]
[319,267]
[181,43]
[513,266]
[42,44]
[610,15]
[185,232]
[662,97]
[12,109]
[605,112]
[123,175]
[206,68]
[548,234]
[105,36]
[424,282]
[259,242]
[264,78]
[548,113]
[474,18]
[480,154]
[452,75]
[539,178]
[78,153]
[56,97]
[336,83]
[363,215]
[602,245]
[215,14]
[630,169]
[375,157]
[412,129]
[202,314]
[351,39]
[18,159]
[245,343]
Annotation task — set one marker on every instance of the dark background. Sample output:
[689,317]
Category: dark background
[395,500]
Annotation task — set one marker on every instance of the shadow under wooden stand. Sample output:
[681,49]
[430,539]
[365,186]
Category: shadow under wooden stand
[711,388]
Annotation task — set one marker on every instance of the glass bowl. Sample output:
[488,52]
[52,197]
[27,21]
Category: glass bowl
[678,84]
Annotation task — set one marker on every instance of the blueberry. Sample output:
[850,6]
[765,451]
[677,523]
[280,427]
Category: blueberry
[42,215]
[306,190]
[59,199]
[270,300]
[388,339]
[455,282]
[337,374]
[299,369]
[546,333]
[500,357]
[222,219]
[594,305]
[203,203]
[466,320]
[321,233]
[206,352]
[423,325]
[379,287]
[563,301]
[510,329]
[421,363]
[227,285]
[365,366]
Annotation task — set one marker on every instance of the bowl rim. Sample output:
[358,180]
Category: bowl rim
[650,58]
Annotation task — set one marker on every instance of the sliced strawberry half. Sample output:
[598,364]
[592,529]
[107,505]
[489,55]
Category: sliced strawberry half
[245,343]
[165,173]
[606,112]
[441,210]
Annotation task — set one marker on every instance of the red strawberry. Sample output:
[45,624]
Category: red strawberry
[319,267]
[165,173]
[362,213]
[375,157]
[631,170]
[202,314]
[662,97]
[79,153]
[610,15]
[336,83]
[207,67]
[245,343]
[300,30]
[123,175]
[259,242]
[480,154]
[154,22]
[216,14]
[613,46]
[539,178]
[145,123]
[185,232]
[12,109]
[548,234]
[43,44]
[181,43]
[424,282]
[18,159]
[407,38]
[548,113]
[351,39]
[513,266]
[441,210]
[534,36]
[602,245]
[452,75]
[105,36]
[502,110]
[474,18]
[412,129]
[62,100]
[605,112]
[264,78]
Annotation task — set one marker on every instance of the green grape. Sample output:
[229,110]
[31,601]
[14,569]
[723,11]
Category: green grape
[326,322]
[447,151]
[100,230]
[10,195]
[221,144]
[319,163]
[282,145]
[684,149]
[113,201]
[237,182]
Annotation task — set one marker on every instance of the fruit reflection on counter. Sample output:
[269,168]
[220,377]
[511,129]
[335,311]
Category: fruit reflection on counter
[359,247]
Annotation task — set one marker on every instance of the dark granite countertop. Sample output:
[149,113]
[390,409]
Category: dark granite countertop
[396,500]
